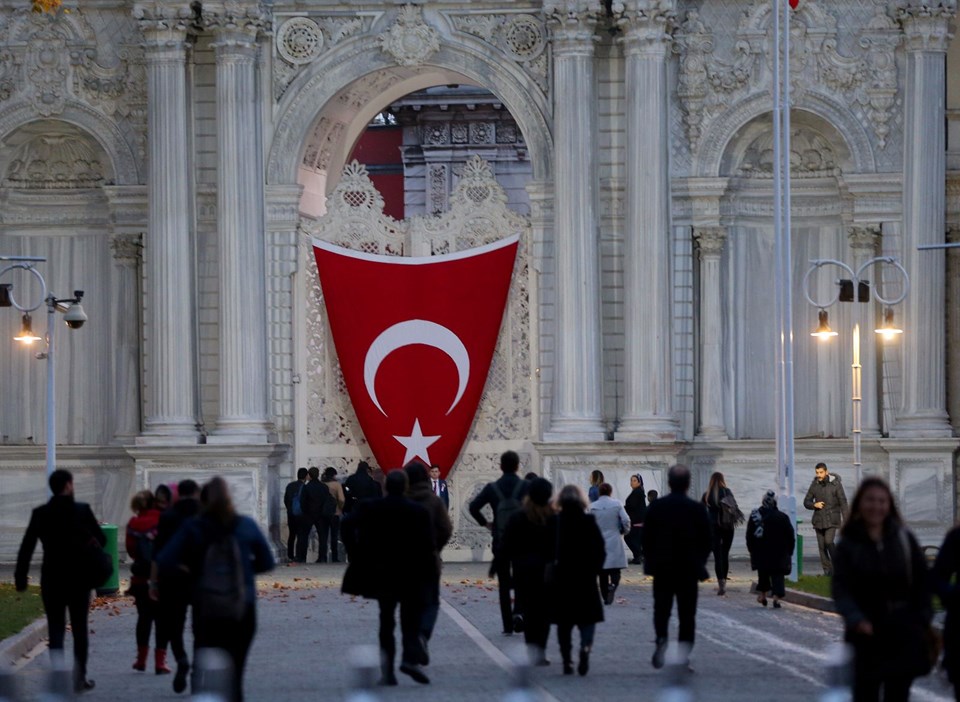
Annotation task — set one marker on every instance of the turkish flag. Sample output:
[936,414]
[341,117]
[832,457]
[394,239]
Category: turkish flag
[415,337]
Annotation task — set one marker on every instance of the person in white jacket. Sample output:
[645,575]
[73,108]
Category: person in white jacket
[614,523]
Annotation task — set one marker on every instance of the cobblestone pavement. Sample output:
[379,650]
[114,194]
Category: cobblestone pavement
[306,628]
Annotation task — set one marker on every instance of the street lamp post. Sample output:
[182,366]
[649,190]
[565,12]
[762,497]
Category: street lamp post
[856,289]
[73,315]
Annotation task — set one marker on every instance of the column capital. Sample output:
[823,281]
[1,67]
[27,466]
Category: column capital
[164,24]
[863,238]
[573,23]
[710,240]
[647,26]
[127,248]
[926,26]
[236,25]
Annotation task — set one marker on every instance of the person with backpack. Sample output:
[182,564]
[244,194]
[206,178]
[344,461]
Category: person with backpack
[141,532]
[293,502]
[222,552]
[505,498]
[319,507]
[724,516]
[770,541]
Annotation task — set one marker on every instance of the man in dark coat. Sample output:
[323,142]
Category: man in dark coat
[509,489]
[829,504]
[393,560]
[64,527]
[676,545]
[294,521]
[173,589]
[319,507]
[946,583]
[360,486]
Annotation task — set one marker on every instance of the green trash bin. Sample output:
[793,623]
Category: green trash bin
[112,585]
[799,550]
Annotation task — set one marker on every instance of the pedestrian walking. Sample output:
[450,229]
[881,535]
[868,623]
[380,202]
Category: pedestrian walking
[724,516]
[319,507]
[596,480]
[293,503]
[577,556]
[676,545]
[880,586]
[505,498]
[140,540]
[528,544]
[420,491]
[393,560]
[636,506]
[828,501]
[770,541]
[173,589]
[333,522]
[68,531]
[439,485]
[613,522]
[946,583]
[360,486]
[222,551]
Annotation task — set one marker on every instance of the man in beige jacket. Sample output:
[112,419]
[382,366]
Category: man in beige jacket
[336,489]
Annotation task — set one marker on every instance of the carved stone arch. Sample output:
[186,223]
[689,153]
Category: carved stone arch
[724,131]
[312,93]
[72,26]
[124,165]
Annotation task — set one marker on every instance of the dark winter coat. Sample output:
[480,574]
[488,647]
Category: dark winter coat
[174,517]
[676,538]
[422,494]
[880,583]
[507,483]
[391,549]
[636,506]
[358,487]
[63,526]
[830,493]
[946,583]
[529,546]
[712,503]
[290,493]
[770,541]
[317,501]
[579,554]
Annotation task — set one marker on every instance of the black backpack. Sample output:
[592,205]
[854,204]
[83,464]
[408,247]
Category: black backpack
[221,589]
[141,564]
[506,507]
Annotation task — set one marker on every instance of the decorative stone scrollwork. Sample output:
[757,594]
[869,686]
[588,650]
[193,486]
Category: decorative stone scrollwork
[926,26]
[55,161]
[127,248]
[410,41]
[864,236]
[520,37]
[811,156]
[710,240]
[299,40]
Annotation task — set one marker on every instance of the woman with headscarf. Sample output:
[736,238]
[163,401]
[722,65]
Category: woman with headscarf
[880,587]
[770,541]
[576,559]
[527,543]
[636,506]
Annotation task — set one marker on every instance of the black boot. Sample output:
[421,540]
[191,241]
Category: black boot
[387,676]
[659,653]
[584,665]
[567,660]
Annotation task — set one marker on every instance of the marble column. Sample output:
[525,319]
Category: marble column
[648,413]
[953,328]
[126,338]
[711,426]
[170,384]
[241,302]
[863,242]
[577,413]
[926,31]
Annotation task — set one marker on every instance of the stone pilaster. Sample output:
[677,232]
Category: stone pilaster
[953,328]
[170,353]
[541,237]
[126,338]
[863,242]
[926,30]
[240,225]
[577,412]
[648,413]
[710,242]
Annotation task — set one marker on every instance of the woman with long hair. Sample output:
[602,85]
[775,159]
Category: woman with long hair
[636,506]
[880,586]
[596,480]
[577,557]
[721,528]
[222,551]
[527,543]
[141,531]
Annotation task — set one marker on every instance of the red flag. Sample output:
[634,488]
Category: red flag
[415,337]
[794,4]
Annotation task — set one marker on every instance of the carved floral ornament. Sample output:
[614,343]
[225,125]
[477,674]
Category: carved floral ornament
[520,37]
[410,41]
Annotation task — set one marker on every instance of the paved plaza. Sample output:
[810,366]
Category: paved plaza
[307,628]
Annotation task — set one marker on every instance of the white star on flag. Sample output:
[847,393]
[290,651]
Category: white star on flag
[416,444]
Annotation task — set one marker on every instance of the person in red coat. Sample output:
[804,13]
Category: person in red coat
[141,532]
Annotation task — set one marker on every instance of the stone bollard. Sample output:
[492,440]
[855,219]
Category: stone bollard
[677,675]
[520,688]
[839,674]
[59,681]
[365,671]
[212,676]
[9,690]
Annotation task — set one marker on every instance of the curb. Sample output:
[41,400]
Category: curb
[15,647]
[805,599]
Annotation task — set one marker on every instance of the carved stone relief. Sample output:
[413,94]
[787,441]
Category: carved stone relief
[52,160]
[410,41]
[519,37]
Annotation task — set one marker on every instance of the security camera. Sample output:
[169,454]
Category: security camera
[75,316]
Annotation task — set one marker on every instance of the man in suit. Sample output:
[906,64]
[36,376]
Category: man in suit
[319,507]
[393,559]
[64,527]
[509,488]
[439,486]
[676,544]
[294,521]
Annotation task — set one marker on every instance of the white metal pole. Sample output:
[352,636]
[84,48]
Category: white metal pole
[51,390]
[855,396]
[777,243]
